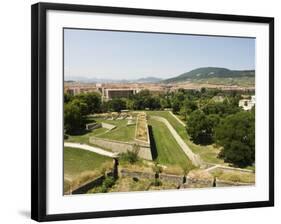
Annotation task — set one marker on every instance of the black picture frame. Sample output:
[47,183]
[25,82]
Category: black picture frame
[39,122]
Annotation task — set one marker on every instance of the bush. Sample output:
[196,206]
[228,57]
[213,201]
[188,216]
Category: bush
[131,156]
[106,185]
[108,182]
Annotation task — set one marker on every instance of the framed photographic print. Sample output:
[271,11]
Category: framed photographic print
[140,111]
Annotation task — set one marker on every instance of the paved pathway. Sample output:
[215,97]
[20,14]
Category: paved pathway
[91,148]
[195,159]
[212,168]
[218,166]
[179,120]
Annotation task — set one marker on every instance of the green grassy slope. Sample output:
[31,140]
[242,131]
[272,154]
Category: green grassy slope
[168,151]
[208,153]
[77,161]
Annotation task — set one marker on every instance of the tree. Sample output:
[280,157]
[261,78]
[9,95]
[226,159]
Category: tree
[116,105]
[67,97]
[220,108]
[73,117]
[92,100]
[152,103]
[130,104]
[176,105]
[165,102]
[83,107]
[237,136]
[200,127]
[189,106]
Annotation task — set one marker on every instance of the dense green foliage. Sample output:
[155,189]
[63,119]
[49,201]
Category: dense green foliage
[221,108]
[77,107]
[200,127]
[92,100]
[116,105]
[143,100]
[236,134]
[73,117]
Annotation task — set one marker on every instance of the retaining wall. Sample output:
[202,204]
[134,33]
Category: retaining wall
[164,177]
[92,126]
[85,187]
[122,147]
[108,126]
[190,182]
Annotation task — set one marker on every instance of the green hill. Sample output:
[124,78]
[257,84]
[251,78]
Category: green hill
[209,73]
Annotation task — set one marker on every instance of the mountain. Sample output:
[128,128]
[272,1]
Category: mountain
[149,80]
[210,72]
[97,80]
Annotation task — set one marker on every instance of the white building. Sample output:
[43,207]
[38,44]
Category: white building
[247,104]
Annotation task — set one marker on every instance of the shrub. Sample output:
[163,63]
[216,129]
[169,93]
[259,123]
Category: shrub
[106,185]
[108,182]
[131,156]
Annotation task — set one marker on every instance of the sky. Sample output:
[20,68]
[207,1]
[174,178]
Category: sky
[133,55]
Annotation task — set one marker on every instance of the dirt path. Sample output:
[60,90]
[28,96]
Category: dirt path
[195,159]
[90,148]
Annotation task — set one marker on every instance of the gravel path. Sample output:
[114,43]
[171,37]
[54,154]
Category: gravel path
[91,148]
[195,159]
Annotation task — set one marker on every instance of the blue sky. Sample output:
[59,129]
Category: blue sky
[131,55]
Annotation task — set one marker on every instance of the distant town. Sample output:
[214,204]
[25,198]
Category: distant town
[114,90]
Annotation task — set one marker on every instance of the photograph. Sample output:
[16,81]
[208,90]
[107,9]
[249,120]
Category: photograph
[156,111]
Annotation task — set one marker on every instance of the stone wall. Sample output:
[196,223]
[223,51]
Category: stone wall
[222,183]
[146,175]
[108,126]
[190,182]
[85,187]
[92,126]
[122,147]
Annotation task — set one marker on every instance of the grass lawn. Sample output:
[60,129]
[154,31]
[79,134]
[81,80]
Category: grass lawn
[84,138]
[235,176]
[122,132]
[208,153]
[168,150]
[77,161]
[82,165]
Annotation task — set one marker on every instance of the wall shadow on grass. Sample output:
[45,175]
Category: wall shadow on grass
[154,152]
